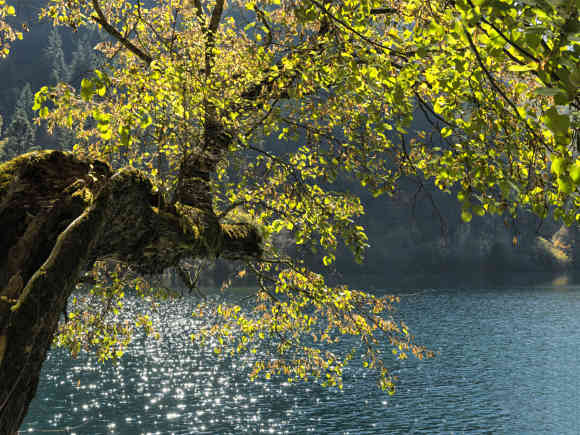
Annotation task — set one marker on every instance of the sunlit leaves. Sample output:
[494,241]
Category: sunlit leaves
[87,89]
[559,124]
[295,325]
[559,165]
[7,32]
[93,320]
[338,87]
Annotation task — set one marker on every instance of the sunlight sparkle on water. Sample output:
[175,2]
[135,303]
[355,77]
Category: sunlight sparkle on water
[461,391]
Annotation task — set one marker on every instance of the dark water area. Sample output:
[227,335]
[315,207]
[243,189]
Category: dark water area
[509,363]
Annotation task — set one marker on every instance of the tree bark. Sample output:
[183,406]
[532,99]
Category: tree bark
[58,215]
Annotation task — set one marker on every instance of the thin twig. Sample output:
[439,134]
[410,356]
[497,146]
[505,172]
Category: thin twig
[488,73]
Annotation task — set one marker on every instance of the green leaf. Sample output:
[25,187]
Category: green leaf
[559,166]
[278,225]
[479,210]
[559,124]
[522,68]
[446,132]
[575,173]
[124,136]
[466,216]
[87,89]
[565,185]
[106,133]
[145,121]
[549,92]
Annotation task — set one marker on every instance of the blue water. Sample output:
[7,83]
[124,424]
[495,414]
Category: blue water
[509,363]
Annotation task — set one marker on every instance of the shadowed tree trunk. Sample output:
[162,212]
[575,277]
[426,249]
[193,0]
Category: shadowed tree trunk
[58,214]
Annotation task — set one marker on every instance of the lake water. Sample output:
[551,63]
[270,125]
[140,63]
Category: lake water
[509,363]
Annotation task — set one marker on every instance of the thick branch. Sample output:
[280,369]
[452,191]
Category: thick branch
[214,22]
[198,9]
[216,16]
[64,213]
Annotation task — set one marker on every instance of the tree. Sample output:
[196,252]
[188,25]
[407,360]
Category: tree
[62,72]
[48,246]
[84,59]
[54,52]
[3,142]
[192,96]
[28,9]
[21,133]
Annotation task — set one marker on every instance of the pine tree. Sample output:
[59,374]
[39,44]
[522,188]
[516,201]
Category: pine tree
[62,73]
[55,53]
[84,58]
[20,134]
[3,141]
[65,139]
[25,101]
[28,9]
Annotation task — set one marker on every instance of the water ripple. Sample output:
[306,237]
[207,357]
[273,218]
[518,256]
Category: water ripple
[508,364]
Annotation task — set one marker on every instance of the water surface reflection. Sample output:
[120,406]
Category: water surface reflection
[509,363]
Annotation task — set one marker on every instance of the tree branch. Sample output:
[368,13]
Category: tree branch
[102,20]
[505,38]
[198,9]
[356,32]
[383,11]
[214,22]
[488,74]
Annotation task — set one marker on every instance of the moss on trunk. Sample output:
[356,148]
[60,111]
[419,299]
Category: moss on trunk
[58,215]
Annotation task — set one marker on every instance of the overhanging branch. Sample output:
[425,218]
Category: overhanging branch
[102,20]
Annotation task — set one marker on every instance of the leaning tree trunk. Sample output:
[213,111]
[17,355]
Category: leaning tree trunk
[58,214]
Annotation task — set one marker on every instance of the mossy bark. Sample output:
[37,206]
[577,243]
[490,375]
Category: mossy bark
[58,215]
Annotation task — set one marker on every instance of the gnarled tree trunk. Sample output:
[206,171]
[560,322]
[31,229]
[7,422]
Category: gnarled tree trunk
[58,214]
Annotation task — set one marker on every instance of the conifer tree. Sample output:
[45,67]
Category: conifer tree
[84,59]
[21,133]
[63,72]
[3,141]
[25,101]
[28,9]
[55,53]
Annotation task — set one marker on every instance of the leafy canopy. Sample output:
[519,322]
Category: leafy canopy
[305,93]
[7,32]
